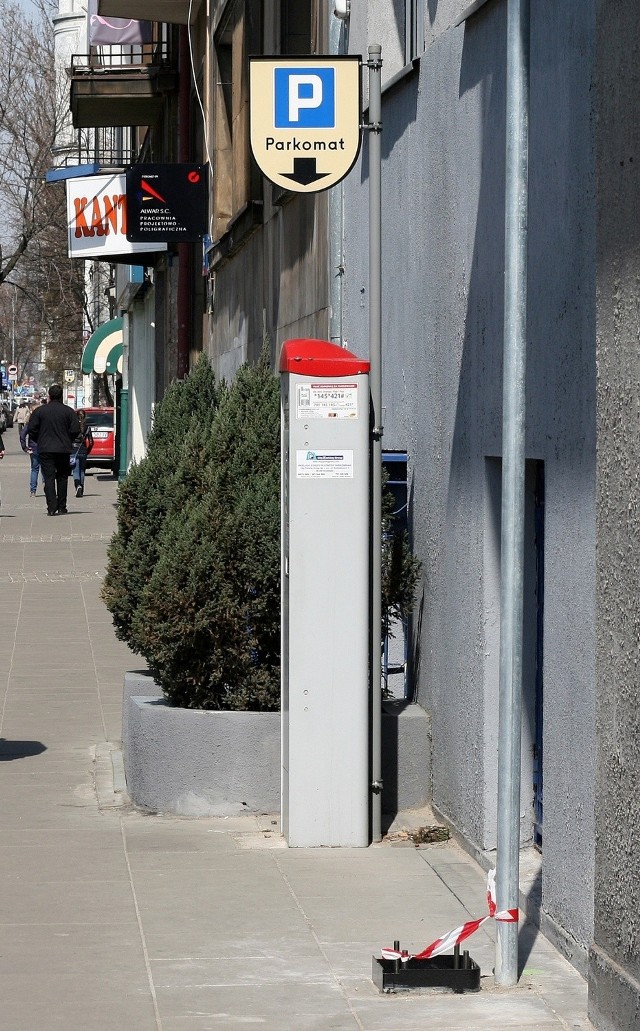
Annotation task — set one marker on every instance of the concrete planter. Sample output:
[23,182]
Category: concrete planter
[193,762]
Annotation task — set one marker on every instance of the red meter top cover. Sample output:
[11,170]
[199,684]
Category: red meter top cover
[320,358]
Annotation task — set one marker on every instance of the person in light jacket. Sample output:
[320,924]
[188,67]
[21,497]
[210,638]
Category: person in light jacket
[22,415]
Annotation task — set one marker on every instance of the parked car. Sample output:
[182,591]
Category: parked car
[103,431]
[6,418]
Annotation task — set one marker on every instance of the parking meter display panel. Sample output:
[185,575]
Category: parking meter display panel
[325,595]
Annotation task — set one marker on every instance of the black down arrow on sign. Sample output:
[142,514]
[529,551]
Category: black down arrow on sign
[304,171]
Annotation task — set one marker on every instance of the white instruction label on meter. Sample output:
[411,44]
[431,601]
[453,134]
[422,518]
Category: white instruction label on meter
[327,401]
[324,465]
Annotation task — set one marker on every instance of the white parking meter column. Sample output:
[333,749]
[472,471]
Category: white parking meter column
[325,602]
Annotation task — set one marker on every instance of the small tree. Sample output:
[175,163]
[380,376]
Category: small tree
[162,483]
[193,581]
[209,617]
[41,289]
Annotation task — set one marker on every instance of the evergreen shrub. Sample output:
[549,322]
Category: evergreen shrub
[204,609]
[193,575]
[153,490]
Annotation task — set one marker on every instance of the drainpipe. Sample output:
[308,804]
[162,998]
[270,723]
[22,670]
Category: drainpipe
[375,380]
[184,251]
[513,473]
[337,45]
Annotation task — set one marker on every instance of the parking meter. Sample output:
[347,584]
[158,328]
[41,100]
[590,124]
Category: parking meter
[325,595]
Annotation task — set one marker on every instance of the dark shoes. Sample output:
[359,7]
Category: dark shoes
[62,511]
[50,512]
[79,490]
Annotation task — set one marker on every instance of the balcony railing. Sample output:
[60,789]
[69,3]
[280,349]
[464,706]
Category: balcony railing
[114,147]
[110,58]
[121,84]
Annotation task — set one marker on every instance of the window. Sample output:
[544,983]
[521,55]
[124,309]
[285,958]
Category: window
[236,182]
[295,27]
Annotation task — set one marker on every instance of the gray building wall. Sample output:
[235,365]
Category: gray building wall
[443,262]
[275,283]
[614,990]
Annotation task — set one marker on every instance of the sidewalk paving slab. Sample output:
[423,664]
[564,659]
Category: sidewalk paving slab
[120,920]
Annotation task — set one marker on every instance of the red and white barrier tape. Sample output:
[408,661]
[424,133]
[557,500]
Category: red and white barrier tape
[453,938]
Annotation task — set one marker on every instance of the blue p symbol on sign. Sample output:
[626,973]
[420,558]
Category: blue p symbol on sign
[305,98]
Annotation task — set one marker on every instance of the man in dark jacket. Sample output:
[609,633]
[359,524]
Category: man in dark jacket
[54,426]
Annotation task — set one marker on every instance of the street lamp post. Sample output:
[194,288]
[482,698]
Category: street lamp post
[13,327]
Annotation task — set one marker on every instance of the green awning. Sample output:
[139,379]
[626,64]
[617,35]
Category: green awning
[100,346]
[114,360]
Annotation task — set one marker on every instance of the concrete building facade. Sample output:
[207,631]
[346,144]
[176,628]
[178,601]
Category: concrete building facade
[443,264]
[614,969]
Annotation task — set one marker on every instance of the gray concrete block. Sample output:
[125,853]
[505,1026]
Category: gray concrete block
[406,756]
[200,763]
[193,762]
[614,996]
[136,682]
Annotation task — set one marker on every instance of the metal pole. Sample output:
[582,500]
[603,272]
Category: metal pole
[375,379]
[513,474]
[336,212]
[13,327]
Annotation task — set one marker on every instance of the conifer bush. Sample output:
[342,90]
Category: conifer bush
[193,576]
[153,490]
[205,606]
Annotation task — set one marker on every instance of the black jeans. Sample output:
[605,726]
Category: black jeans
[55,471]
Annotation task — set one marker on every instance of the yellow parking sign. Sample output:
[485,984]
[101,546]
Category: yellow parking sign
[305,119]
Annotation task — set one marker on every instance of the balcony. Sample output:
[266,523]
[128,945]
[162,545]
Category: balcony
[170,11]
[121,85]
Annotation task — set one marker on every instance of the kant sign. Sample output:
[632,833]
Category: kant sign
[305,119]
[97,219]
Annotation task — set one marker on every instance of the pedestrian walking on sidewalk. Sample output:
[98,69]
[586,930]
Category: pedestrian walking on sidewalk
[22,416]
[55,426]
[30,447]
[81,448]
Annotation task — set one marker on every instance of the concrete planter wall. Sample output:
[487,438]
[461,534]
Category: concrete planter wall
[193,762]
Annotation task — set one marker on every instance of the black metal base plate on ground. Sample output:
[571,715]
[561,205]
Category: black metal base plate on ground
[389,975]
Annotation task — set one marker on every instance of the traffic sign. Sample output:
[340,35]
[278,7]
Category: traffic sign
[69,376]
[305,119]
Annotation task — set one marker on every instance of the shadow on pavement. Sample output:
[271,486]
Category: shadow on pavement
[19,749]
[530,930]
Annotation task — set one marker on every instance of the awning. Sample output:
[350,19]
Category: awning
[103,349]
[114,361]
